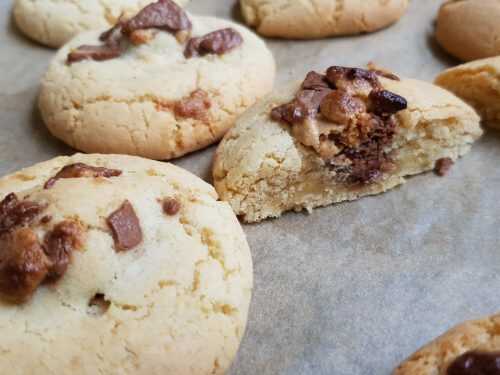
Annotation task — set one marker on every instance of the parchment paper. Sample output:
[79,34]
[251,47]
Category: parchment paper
[352,288]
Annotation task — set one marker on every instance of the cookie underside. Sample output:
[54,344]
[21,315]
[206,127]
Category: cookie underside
[262,171]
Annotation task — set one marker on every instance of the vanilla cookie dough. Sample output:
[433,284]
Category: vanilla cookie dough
[114,264]
[469,29]
[337,137]
[311,19]
[55,22]
[471,348]
[160,92]
[478,83]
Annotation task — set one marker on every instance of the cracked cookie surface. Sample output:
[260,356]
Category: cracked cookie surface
[262,170]
[469,29]
[129,105]
[55,22]
[478,83]
[174,303]
[472,347]
[308,19]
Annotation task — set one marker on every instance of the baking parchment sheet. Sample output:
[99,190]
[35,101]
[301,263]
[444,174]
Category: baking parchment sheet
[354,288]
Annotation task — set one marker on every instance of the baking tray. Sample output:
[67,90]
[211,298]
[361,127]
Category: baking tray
[352,288]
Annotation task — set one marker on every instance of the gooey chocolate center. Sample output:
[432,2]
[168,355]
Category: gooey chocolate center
[347,117]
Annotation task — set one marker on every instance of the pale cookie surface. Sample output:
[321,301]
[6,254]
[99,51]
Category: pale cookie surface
[176,303]
[262,170]
[435,358]
[307,19]
[469,29]
[478,83]
[126,105]
[55,22]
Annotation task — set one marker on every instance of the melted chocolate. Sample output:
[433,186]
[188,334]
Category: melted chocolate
[15,213]
[476,363]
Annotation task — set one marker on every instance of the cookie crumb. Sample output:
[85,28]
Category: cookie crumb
[443,166]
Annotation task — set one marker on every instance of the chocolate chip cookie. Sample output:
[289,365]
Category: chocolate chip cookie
[469,29]
[55,22]
[338,136]
[471,348]
[478,84]
[160,84]
[119,265]
[320,18]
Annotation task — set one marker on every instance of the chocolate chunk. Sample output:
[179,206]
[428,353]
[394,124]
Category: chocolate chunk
[125,227]
[476,363]
[306,104]
[97,53]
[79,170]
[113,36]
[46,219]
[355,80]
[387,103]
[195,106]
[59,245]
[23,265]
[171,206]
[217,42]
[334,74]
[15,213]
[164,15]
[443,166]
[315,81]
[340,107]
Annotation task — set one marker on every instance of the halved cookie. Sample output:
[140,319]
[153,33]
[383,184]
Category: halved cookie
[159,85]
[469,29]
[471,348]
[310,19]
[54,23]
[112,264]
[339,136]
[478,83]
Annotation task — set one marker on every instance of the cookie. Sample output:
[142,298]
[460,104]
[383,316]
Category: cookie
[469,29]
[337,137]
[119,265]
[153,90]
[478,83]
[311,19]
[470,348]
[54,22]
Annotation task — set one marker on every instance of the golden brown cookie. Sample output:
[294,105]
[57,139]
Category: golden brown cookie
[469,29]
